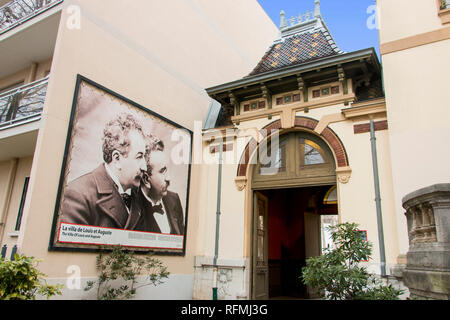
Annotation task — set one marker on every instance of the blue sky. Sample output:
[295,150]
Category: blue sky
[346,19]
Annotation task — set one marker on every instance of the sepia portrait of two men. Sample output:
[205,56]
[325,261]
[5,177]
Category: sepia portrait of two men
[130,188]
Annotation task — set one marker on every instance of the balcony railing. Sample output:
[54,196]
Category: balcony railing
[445,4]
[22,104]
[18,11]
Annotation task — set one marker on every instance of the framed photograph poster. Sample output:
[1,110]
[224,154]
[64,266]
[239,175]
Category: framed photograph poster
[125,176]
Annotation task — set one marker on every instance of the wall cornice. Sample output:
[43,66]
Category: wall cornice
[416,41]
[365,108]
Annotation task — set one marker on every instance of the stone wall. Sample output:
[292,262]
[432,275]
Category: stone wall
[427,272]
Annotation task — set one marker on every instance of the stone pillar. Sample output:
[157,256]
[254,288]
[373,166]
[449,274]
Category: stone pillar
[427,272]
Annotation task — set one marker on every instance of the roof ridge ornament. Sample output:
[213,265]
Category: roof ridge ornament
[307,15]
[283,22]
[301,23]
[317,9]
[292,21]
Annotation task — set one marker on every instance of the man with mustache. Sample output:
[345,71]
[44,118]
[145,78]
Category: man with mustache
[161,208]
[105,196]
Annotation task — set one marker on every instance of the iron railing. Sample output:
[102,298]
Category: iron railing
[445,4]
[18,11]
[22,104]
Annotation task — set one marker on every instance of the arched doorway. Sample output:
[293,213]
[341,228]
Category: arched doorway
[293,200]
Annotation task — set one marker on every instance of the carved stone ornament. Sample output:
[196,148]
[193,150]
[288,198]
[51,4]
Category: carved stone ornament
[241,183]
[343,174]
[224,279]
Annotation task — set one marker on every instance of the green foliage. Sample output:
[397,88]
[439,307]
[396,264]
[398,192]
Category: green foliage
[119,271]
[21,280]
[337,273]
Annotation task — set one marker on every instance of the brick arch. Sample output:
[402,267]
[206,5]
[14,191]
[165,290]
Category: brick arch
[305,123]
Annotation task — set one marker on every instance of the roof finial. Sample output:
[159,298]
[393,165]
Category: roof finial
[307,15]
[283,22]
[317,9]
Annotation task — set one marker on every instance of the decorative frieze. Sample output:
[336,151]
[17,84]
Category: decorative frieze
[288,98]
[326,91]
[428,214]
[421,224]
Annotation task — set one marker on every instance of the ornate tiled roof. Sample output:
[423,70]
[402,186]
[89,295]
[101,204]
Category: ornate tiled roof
[299,43]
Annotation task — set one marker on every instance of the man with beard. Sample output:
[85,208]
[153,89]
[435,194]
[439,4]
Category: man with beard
[104,197]
[161,208]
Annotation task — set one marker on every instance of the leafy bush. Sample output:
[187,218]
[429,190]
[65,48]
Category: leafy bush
[21,280]
[338,275]
[119,271]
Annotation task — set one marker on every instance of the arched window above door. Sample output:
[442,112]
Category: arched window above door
[311,153]
[300,158]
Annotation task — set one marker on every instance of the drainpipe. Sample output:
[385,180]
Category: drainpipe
[378,199]
[216,249]
[7,195]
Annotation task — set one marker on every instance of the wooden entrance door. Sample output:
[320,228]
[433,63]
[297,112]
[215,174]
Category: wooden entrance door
[300,159]
[312,243]
[260,248]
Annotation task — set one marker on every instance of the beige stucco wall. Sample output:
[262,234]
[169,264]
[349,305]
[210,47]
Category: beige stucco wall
[357,197]
[404,18]
[158,54]
[417,103]
[416,86]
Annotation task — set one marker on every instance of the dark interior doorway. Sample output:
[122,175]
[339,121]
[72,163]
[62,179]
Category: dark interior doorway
[288,247]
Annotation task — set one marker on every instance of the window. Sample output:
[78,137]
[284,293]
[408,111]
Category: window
[287,99]
[300,159]
[444,11]
[311,153]
[335,90]
[254,105]
[22,203]
[279,160]
[326,91]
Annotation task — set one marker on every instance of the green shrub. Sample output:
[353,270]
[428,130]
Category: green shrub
[21,280]
[338,275]
[119,271]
